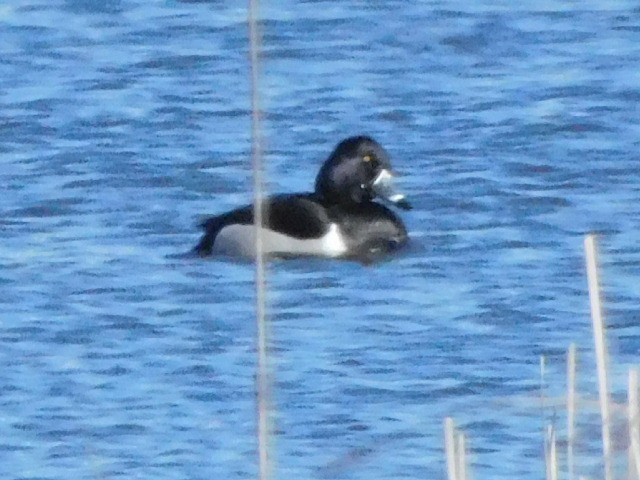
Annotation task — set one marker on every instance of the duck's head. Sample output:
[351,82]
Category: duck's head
[357,171]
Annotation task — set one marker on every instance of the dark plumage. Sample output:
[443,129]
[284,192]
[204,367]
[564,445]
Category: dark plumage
[339,219]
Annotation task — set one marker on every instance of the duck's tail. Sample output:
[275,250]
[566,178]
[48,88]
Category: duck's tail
[211,227]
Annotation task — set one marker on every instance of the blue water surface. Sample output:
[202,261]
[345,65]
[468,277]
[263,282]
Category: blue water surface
[124,122]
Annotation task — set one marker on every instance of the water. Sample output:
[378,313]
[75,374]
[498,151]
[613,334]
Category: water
[124,123]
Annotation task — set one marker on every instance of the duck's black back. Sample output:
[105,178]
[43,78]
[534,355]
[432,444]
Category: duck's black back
[300,216]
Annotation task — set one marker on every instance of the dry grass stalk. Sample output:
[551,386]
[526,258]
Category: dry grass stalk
[634,426]
[259,207]
[450,448]
[601,351]
[571,408]
[551,454]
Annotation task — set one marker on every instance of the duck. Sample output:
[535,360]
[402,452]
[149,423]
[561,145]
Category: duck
[341,218]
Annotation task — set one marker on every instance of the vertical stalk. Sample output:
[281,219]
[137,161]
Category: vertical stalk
[450,448]
[545,445]
[461,454]
[601,351]
[552,456]
[634,425]
[571,408]
[259,214]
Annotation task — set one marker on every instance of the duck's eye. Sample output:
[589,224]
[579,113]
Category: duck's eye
[367,158]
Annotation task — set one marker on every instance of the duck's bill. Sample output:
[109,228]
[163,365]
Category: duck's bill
[384,187]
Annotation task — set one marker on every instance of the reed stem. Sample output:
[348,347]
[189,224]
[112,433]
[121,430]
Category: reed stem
[571,408]
[552,467]
[634,425]
[461,456]
[601,351]
[450,448]
[262,383]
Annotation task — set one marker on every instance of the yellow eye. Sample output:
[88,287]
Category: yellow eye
[367,158]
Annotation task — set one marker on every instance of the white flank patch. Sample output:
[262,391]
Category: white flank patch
[240,240]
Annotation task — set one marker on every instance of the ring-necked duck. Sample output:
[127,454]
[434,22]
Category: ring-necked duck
[339,219]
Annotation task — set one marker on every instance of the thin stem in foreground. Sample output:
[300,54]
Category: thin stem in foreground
[262,384]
